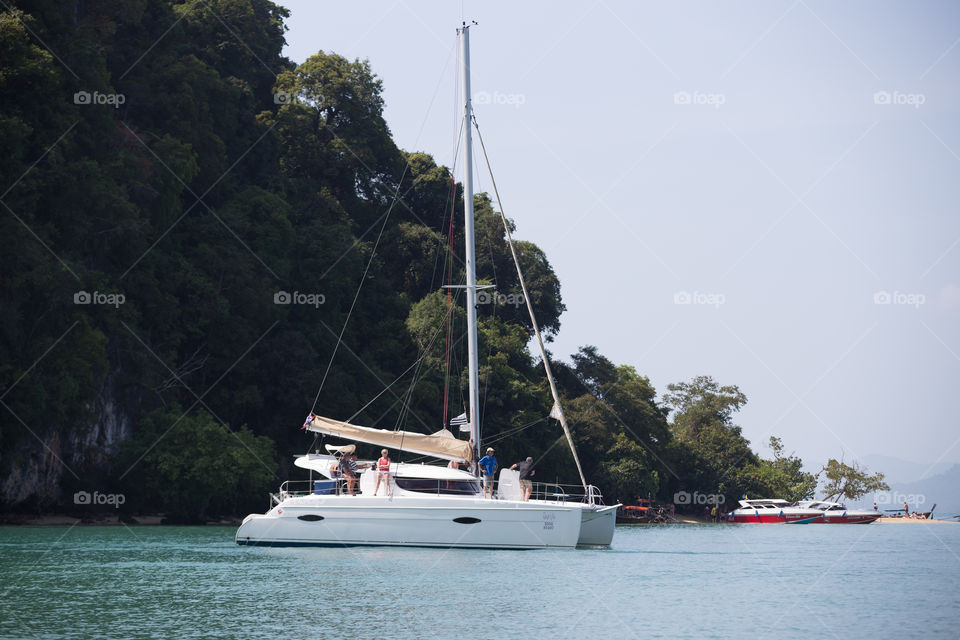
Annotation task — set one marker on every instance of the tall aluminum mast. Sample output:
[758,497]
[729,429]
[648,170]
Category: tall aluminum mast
[471,266]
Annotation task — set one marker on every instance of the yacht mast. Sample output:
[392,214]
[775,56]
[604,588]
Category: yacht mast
[471,266]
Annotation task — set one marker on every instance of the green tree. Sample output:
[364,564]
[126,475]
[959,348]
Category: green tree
[191,467]
[852,481]
[784,477]
[718,459]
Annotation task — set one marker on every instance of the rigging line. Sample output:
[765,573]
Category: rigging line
[446,205]
[363,279]
[397,379]
[496,283]
[396,195]
[513,430]
[533,319]
[389,409]
[436,91]
[449,319]
[355,297]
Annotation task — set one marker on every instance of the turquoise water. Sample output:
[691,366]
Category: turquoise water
[686,581]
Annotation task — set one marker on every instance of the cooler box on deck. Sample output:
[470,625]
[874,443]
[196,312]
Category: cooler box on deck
[324,487]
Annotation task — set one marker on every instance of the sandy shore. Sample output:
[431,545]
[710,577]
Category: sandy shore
[886,520]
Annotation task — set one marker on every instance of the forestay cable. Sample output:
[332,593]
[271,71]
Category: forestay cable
[557,411]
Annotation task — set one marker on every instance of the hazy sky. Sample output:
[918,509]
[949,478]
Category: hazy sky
[765,192]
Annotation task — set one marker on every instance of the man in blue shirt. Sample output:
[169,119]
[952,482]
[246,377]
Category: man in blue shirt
[488,470]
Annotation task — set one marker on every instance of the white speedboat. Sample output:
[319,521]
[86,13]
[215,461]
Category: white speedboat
[771,511]
[837,513]
[430,505]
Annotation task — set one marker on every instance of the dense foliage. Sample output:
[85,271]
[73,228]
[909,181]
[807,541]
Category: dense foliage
[186,220]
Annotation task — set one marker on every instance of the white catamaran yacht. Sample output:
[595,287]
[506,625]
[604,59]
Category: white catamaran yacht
[427,505]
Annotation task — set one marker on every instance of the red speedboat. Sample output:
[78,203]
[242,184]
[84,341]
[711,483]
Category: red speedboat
[772,511]
[769,511]
[836,513]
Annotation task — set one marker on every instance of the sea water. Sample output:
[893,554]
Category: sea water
[678,581]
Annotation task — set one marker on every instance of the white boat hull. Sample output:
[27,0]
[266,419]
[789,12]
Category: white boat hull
[461,522]
[597,525]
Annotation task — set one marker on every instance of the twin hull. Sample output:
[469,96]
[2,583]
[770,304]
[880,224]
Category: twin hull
[432,522]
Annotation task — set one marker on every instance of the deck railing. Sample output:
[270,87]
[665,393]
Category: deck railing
[554,492]
[547,491]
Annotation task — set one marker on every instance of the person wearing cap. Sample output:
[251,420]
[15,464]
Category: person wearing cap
[488,469]
[526,478]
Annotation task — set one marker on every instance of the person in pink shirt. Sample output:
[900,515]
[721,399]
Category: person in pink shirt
[383,472]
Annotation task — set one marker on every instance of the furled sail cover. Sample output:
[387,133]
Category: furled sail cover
[440,445]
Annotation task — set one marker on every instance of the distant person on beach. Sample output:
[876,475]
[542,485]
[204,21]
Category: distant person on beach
[383,473]
[706,513]
[713,513]
[875,506]
[906,512]
[526,477]
[488,468]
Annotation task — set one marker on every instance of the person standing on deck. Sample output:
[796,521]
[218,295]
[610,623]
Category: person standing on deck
[383,473]
[488,469]
[349,467]
[526,478]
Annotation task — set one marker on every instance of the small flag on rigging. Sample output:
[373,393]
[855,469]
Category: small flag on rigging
[461,421]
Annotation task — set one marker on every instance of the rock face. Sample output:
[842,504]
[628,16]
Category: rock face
[76,454]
